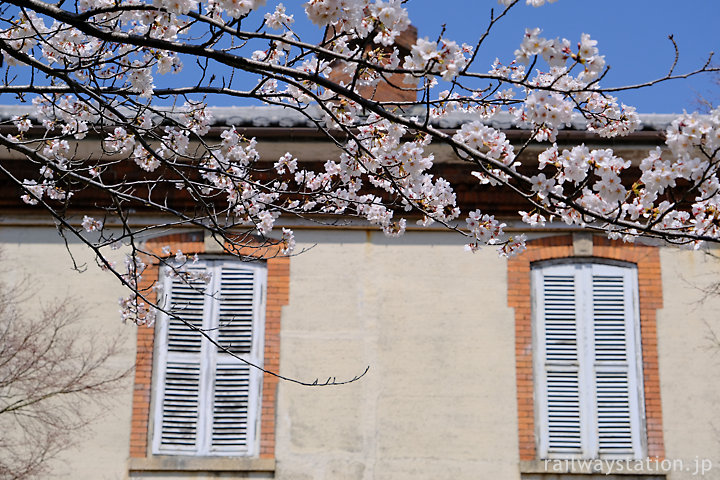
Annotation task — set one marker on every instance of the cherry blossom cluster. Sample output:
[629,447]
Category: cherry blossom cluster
[448,103]
[484,228]
[361,17]
[97,71]
[446,58]
[552,103]
[494,145]
[132,307]
[676,193]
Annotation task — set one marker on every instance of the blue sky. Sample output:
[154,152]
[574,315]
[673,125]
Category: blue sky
[632,34]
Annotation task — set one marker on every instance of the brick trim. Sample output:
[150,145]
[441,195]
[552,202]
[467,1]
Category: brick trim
[647,260]
[277,295]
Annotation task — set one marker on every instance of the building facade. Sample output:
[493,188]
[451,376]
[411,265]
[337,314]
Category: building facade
[581,358]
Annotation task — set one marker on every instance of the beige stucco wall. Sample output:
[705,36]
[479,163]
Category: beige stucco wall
[39,256]
[689,360]
[432,323]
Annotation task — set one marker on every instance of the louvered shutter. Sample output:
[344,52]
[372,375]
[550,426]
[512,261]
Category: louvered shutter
[615,362]
[183,350]
[556,322]
[207,399]
[231,427]
[186,299]
[238,302]
[180,406]
[587,371]
[237,385]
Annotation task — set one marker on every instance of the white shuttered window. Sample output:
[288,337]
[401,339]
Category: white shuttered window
[206,399]
[588,377]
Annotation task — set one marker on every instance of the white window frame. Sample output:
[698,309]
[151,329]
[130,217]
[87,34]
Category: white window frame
[209,353]
[583,271]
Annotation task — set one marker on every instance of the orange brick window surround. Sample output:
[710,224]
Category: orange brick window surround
[647,260]
[278,281]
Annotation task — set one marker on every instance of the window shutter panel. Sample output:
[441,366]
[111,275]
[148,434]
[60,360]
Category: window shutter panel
[237,385]
[236,308]
[231,423]
[187,301]
[556,314]
[614,364]
[180,406]
[182,352]
[208,399]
